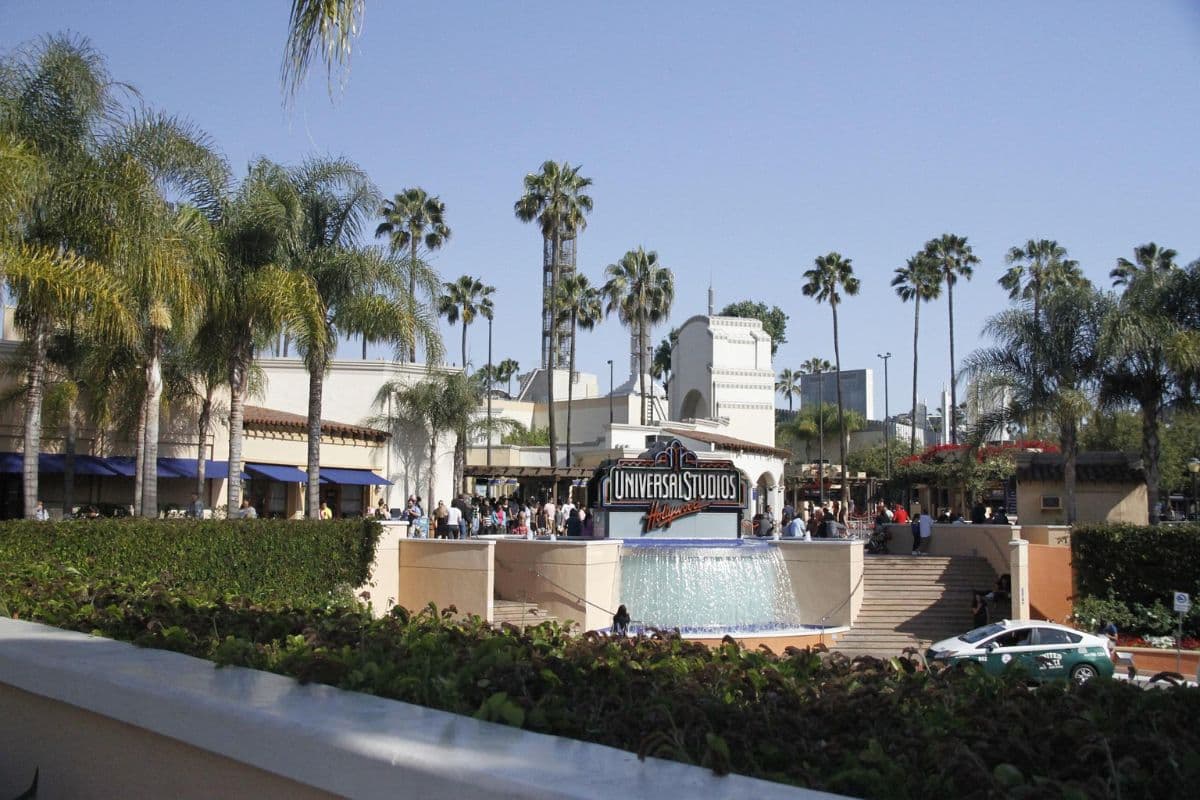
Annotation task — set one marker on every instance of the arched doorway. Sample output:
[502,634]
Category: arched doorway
[694,406]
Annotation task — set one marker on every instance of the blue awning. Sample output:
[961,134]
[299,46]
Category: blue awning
[352,477]
[186,468]
[277,472]
[56,464]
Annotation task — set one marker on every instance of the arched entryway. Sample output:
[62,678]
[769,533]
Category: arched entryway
[694,406]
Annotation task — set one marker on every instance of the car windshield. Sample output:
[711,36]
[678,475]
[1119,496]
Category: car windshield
[981,633]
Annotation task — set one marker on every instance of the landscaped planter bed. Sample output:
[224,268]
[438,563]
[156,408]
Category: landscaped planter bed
[866,728]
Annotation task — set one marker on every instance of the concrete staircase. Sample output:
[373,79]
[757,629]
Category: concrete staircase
[515,612]
[911,601]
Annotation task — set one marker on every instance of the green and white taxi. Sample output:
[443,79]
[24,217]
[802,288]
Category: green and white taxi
[1045,650]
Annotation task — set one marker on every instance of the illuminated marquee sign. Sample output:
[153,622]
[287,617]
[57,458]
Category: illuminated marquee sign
[673,483]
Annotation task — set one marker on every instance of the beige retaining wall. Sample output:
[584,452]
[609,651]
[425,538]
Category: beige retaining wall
[446,572]
[827,579]
[576,581]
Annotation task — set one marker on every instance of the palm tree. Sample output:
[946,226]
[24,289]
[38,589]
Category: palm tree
[506,370]
[73,208]
[412,218]
[319,209]
[442,403]
[953,258]
[641,291]
[1045,367]
[327,25]
[788,385]
[554,197]
[466,299]
[830,278]
[579,304]
[819,366]
[1147,258]
[1037,268]
[1152,354]
[815,366]
[918,280]
[816,422]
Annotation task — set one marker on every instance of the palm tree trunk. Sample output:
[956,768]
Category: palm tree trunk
[460,439]
[1070,447]
[202,426]
[139,458]
[571,385]
[69,460]
[642,366]
[842,436]
[33,413]
[429,504]
[316,389]
[238,365]
[953,421]
[464,346]
[154,386]
[1150,456]
[912,443]
[553,429]
[412,290]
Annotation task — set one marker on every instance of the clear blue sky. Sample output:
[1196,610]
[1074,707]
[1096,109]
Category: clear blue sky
[739,141]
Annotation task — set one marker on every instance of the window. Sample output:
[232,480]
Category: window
[1018,638]
[1051,502]
[1055,636]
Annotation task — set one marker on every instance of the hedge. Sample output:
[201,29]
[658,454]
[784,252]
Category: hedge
[868,728]
[285,561]
[1131,572]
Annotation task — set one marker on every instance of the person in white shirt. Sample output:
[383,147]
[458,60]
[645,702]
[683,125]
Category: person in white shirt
[549,510]
[453,520]
[797,530]
[40,513]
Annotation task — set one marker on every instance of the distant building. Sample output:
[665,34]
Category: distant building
[858,390]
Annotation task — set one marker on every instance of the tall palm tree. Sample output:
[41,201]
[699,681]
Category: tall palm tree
[1046,368]
[788,385]
[831,277]
[815,366]
[555,198]
[1147,258]
[1152,355]
[72,209]
[411,219]
[641,291]
[954,259]
[1037,268]
[579,303]
[465,299]
[319,209]
[919,281]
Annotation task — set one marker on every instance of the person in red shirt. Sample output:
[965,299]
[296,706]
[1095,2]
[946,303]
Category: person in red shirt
[900,515]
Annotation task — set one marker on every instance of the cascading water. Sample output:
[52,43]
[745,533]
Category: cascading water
[706,586]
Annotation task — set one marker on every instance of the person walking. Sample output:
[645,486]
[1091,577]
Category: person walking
[40,513]
[454,521]
[195,509]
[326,511]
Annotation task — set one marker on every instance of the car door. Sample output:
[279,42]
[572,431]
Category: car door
[1055,647]
[1009,647]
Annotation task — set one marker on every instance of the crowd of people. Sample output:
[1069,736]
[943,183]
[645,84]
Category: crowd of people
[467,516]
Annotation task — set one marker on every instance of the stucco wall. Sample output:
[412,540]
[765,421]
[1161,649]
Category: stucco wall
[984,541]
[446,572]
[1050,582]
[1094,502]
[574,581]
[82,755]
[691,367]
[827,579]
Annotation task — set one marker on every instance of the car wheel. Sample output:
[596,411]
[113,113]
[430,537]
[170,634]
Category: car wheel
[1082,673]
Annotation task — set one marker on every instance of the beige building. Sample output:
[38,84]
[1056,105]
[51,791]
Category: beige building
[1109,487]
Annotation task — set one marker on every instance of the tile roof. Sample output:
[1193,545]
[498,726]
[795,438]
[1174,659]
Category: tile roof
[730,443]
[273,419]
[1093,466]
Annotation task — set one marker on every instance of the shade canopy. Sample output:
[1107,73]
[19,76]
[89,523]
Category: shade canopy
[277,472]
[352,477]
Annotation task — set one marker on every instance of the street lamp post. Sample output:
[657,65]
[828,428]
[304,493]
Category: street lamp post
[887,433]
[821,435]
[610,393]
[1194,468]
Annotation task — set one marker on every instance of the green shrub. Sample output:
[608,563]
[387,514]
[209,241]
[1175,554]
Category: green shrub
[1129,573]
[286,561]
[868,728]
